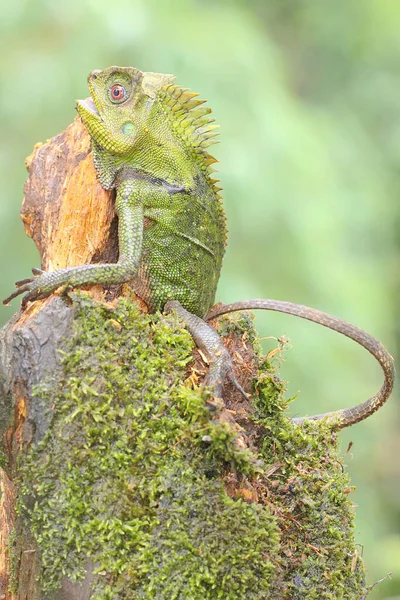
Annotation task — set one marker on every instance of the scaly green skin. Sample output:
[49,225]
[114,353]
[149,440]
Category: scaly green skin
[152,148]
[149,142]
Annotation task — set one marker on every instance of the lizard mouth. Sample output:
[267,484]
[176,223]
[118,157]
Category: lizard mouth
[89,105]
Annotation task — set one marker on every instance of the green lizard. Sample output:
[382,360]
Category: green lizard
[150,140]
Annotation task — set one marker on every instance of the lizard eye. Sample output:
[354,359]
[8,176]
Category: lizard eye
[117,93]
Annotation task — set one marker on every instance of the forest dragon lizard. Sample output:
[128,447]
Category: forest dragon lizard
[149,141]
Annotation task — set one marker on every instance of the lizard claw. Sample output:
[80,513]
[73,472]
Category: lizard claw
[21,289]
[29,285]
[236,384]
[23,282]
[221,370]
[32,296]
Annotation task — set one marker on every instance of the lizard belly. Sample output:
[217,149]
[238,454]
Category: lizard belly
[173,267]
[179,260]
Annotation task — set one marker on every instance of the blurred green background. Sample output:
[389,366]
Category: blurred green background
[307,96]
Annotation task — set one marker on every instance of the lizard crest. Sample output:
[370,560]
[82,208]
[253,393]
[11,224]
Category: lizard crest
[132,115]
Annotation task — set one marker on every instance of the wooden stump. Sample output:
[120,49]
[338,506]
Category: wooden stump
[187,498]
[72,221]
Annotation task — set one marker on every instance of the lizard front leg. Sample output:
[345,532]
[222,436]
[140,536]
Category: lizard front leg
[130,233]
[209,342]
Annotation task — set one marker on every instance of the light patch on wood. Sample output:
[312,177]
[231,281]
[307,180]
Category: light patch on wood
[65,210]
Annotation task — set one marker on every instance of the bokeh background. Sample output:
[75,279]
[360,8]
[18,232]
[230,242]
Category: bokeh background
[307,93]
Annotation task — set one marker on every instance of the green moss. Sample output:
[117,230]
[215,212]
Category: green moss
[240,324]
[132,472]
[309,491]
[3,462]
[125,477]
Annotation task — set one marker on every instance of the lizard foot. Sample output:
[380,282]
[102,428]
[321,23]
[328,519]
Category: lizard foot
[220,369]
[35,288]
[209,342]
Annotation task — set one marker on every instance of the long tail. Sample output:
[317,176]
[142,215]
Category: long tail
[346,416]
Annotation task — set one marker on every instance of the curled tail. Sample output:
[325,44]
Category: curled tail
[346,416]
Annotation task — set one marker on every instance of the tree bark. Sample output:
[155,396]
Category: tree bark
[72,221]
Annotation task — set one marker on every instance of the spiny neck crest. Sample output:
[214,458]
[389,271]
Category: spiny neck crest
[191,120]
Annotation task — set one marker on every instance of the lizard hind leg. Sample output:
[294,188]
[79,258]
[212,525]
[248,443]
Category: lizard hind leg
[209,342]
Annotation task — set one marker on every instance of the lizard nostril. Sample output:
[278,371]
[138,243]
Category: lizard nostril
[94,74]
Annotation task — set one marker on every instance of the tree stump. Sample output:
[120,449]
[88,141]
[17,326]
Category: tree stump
[122,477]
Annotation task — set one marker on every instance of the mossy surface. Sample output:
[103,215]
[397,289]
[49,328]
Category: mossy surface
[125,479]
[308,492]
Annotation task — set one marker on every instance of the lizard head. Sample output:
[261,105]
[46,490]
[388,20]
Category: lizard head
[118,113]
[145,121]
